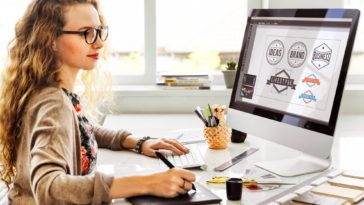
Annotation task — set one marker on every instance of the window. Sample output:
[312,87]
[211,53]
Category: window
[132,58]
[188,37]
[198,36]
[126,22]
[151,37]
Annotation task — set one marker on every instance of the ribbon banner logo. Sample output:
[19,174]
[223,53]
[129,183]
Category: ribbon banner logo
[275,52]
[297,54]
[307,97]
[311,80]
[321,56]
[281,81]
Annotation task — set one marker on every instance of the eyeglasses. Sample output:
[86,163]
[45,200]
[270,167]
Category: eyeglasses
[92,33]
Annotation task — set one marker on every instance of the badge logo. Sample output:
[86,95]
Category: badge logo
[247,92]
[275,52]
[311,80]
[321,56]
[307,97]
[247,89]
[249,80]
[297,54]
[281,81]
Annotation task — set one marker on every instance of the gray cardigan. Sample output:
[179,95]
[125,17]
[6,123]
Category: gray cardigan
[49,155]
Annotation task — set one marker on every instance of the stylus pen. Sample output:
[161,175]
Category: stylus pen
[202,118]
[169,164]
[214,123]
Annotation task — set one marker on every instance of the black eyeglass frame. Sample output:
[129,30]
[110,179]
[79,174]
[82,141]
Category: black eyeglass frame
[84,33]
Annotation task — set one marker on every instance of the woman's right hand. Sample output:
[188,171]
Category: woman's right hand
[166,184]
[170,183]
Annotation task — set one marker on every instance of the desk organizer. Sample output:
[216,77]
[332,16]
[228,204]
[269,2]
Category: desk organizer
[218,137]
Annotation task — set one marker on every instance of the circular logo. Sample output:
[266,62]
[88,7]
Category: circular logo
[275,52]
[297,54]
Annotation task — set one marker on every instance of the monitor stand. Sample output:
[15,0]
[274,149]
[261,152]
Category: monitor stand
[302,164]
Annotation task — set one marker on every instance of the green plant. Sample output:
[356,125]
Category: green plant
[231,65]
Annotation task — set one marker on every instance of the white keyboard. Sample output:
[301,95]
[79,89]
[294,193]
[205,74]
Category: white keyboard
[193,159]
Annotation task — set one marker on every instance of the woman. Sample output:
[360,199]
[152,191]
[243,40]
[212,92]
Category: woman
[49,147]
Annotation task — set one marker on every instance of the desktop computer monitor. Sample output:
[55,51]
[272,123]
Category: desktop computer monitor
[290,80]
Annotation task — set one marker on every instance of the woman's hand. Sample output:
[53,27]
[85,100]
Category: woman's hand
[150,146]
[170,183]
[167,184]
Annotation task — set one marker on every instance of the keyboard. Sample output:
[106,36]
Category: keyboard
[193,159]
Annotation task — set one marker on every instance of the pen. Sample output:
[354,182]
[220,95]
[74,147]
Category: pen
[199,109]
[169,164]
[214,123]
[202,118]
[179,136]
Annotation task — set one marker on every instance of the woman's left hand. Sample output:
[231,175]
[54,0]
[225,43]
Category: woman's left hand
[149,147]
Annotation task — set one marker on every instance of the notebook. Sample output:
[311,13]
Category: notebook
[348,182]
[352,195]
[311,198]
[201,196]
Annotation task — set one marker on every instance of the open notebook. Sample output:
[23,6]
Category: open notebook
[201,196]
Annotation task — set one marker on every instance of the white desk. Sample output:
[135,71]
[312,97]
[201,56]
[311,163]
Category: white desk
[347,151]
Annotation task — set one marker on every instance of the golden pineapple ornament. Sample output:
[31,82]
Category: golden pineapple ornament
[218,137]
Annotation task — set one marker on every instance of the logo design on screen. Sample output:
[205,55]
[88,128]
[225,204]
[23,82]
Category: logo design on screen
[321,56]
[246,92]
[247,89]
[307,97]
[281,81]
[275,52]
[311,80]
[297,54]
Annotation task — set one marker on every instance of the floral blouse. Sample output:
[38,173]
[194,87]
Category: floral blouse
[88,141]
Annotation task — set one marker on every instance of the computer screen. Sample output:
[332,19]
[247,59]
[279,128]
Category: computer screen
[292,70]
[293,65]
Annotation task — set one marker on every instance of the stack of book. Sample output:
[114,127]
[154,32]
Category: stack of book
[185,82]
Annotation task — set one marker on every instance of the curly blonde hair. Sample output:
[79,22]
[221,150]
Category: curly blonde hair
[32,65]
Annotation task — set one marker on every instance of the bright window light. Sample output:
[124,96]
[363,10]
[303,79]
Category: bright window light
[126,35]
[198,36]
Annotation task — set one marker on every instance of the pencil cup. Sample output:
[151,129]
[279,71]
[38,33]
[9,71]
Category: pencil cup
[218,137]
[234,188]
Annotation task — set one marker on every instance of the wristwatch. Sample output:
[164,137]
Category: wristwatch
[138,146]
